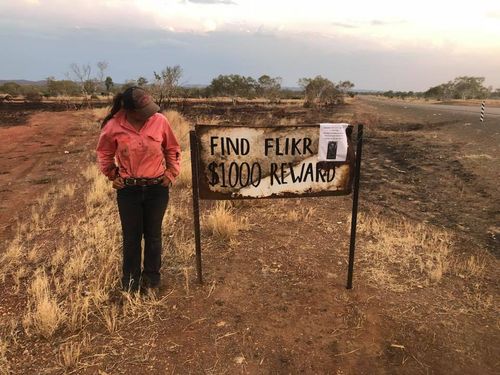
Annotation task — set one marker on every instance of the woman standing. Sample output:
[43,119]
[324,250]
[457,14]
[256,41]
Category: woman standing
[147,157]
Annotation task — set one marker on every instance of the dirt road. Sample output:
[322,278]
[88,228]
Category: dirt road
[489,111]
[40,152]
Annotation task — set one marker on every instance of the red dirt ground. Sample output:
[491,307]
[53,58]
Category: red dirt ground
[278,303]
[42,152]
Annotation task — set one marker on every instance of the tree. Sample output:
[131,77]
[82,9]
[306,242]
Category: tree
[320,91]
[268,87]
[470,88]
[141,81]
[82,74]
[443,91]
[463,87]
[345,86]
[62,87]
[90,86]
[101,66]
[11,88]
[108,82]
[233,85]
[166,84]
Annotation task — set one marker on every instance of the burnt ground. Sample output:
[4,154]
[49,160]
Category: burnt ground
[439,166]
[274,301]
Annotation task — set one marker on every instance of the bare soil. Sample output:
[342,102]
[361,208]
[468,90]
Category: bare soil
[274,301]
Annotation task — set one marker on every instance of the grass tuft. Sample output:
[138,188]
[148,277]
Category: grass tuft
[222,223]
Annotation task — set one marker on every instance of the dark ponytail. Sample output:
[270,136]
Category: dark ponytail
[124,99]
[117,105]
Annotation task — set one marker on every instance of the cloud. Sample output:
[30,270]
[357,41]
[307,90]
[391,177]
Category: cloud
[378,22]
[493,14]
[344,25]
[132,53]
[223,2]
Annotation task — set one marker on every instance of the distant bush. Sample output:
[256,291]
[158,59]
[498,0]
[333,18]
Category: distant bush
[34,97]
[11,88]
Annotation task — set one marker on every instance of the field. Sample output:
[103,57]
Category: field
[425,296]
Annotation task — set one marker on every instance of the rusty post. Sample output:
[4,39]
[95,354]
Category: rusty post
[355,194]
[193,143]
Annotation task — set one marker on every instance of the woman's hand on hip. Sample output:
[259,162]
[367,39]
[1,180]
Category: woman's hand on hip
[118,183]
[166,182]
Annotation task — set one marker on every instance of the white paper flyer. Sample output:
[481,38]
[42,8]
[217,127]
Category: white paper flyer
[332,142]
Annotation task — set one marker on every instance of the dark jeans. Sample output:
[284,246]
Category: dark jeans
[141,211]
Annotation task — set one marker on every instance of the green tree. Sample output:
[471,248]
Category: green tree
[63,87]
[233,85]
[345,86]
[11,88]
[269,88]
[141,81]
[320,91]
[470,88]
[108,82]
[463,87]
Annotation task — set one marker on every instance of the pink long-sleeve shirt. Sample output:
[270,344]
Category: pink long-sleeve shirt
[151,152]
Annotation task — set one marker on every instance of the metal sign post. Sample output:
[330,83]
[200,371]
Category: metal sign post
[193,141]
[355,195]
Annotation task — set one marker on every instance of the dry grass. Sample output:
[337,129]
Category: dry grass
[99,113]
[71,286]
[222,222]
[69,356]
[180,128]
[208,120]
[44,315]
[292,215]
[288,121]
[472,267]
[398,254]
[184,178]
[110,316]
[478,157]
[12,257]
[4,362]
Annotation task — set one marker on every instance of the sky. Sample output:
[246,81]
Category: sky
[377,45]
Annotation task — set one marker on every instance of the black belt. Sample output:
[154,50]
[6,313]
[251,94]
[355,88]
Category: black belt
[140,181]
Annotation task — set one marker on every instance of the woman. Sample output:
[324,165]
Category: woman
[147,158]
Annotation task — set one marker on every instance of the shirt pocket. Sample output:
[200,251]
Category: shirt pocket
[124,142]
[154,143]
[155,137]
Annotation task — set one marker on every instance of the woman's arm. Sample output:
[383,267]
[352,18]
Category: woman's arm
[106,149]
[172,152]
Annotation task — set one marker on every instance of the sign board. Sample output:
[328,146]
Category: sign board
[236,162]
